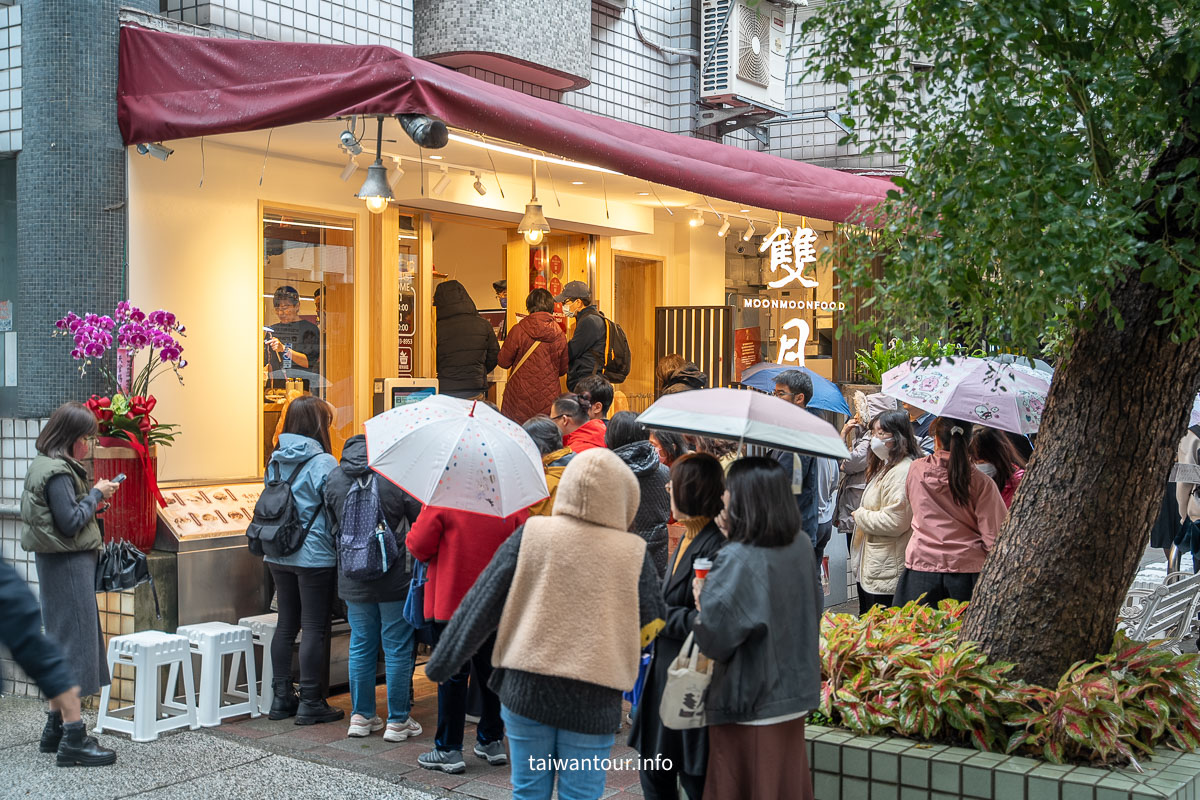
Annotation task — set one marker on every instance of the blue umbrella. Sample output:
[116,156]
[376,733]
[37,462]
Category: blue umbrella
[826,395]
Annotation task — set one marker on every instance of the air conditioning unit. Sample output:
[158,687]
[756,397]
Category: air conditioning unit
[745,51]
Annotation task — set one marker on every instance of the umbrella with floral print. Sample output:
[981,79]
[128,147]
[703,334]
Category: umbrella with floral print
[457,454]
[1010,397]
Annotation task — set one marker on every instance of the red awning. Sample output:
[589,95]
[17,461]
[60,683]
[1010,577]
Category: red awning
[177,87]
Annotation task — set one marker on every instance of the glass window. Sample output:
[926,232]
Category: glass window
[308,318]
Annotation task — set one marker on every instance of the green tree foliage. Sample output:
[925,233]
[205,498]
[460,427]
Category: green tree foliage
[1050,151]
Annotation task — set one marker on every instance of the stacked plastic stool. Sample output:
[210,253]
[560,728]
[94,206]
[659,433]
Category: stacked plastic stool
[146,652]
[263,629]
[213,641]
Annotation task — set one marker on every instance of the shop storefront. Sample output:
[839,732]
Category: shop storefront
[252,233]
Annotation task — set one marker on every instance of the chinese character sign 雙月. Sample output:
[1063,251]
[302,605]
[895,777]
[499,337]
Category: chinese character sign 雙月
[791,348]
[792,254]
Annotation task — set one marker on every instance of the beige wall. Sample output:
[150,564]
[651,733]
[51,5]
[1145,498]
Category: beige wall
[471,255]
[694,260]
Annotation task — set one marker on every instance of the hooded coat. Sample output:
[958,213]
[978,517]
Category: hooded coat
[560,661]
[302,460]
[684,379]
[532,388]
[654,510]
[467,349]
[400,509]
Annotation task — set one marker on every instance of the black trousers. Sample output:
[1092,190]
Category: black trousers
[824,533]
[452,702]
[659,784]
[305,601]
[866,600]
[936,586]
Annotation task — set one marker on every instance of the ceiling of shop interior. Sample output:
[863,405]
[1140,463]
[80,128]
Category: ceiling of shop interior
[317,142]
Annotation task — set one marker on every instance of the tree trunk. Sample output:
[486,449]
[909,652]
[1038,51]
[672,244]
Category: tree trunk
[1050,590]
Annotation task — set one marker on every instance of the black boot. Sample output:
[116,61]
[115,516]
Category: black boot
[285,702]
[77,749]
[314,709]
[52,733]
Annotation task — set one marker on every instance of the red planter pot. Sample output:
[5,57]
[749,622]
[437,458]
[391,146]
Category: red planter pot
[131,514]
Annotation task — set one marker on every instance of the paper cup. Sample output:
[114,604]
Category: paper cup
[702,566]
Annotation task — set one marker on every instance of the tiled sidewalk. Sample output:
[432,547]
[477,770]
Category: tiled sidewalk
[397,763]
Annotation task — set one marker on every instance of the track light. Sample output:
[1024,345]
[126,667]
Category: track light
[750,231]
[724,229]
[395,174]
[533,224]
[479,187]
[350,168]
[697,219]
[443,183]
[375,190]
[156,149]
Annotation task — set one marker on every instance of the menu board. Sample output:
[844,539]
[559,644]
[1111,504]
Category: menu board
[197,512]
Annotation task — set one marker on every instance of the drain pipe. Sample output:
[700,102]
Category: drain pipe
[694,55]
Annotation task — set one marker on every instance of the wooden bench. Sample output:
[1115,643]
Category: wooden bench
[1166,612]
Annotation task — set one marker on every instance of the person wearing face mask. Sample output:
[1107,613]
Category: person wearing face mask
[58,525]
[587,343]
[883,520]
[996,457]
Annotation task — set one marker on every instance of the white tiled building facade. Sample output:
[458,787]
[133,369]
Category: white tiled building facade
[633,77]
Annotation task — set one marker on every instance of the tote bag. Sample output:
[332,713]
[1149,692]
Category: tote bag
[686,689]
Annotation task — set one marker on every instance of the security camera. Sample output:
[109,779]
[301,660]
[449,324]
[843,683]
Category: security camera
[350,143]
[156,149]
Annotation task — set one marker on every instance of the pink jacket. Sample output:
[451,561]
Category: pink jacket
[948,537]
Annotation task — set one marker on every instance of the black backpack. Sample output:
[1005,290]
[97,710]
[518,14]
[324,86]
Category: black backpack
[616,360]
[367,546]
[276,530]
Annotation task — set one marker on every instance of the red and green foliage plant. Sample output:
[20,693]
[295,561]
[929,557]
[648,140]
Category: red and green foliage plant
[905,671]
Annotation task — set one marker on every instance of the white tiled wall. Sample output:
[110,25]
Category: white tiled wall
[385,22]
[10,78]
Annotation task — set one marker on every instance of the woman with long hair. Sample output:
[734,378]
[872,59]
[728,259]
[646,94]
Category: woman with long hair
[59,526]
[996,457]
[758,618]
[957,511]
[304,580]
[696,488]
[883,520]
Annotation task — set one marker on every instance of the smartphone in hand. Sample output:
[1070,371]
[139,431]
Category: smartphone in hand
[119,478]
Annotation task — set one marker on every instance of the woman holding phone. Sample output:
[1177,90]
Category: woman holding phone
[58,525]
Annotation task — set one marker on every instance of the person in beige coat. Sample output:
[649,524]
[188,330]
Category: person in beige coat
[883,521]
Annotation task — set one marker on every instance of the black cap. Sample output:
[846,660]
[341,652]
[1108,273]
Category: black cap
[575,290]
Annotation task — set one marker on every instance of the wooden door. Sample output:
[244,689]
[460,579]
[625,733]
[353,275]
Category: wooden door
[637,291]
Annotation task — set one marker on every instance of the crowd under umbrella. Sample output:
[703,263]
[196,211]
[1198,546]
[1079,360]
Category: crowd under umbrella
[826,394]
[749,418]
[457,454]
[1007,396]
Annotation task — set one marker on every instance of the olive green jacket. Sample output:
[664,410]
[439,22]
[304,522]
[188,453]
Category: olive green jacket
[38,533]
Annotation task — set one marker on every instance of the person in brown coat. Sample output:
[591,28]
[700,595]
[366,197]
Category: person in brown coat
[535,354]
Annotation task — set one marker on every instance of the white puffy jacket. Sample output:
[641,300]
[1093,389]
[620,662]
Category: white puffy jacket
[883,525]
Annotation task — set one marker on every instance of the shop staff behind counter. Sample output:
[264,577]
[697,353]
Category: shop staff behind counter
[293,345]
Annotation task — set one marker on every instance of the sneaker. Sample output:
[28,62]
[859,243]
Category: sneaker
[399,731]
[449,761]
[361,726]
[494,753]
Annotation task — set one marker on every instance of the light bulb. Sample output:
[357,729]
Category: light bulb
[534,237]
[697,220]
[376,205]
[724,229]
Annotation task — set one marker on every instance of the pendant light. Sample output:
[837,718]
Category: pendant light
[533,224]
[375,189]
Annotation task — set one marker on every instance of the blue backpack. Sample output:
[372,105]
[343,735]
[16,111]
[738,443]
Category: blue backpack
[367,546]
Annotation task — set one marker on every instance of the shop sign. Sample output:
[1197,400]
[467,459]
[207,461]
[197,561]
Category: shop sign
[407,347]
[747,344]
[792,254]
[408,315]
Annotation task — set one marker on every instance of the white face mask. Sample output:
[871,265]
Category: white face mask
[986,469]
[881,448]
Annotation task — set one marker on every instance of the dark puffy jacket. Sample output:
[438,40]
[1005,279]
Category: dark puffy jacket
[685,379]
[586,346]
[397,504]
[654,509]
[467,349]
[533,387]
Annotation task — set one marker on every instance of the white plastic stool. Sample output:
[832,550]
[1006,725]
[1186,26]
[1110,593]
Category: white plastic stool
[263,628]
[212,641]
[146,651]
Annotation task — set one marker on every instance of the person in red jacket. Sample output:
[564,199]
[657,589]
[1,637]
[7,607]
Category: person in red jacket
[457,546]
[580,433]
[535,354]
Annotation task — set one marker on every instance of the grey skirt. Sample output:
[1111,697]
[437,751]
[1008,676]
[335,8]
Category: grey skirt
[67,582]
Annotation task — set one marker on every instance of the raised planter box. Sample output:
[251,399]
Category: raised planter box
[849,767]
